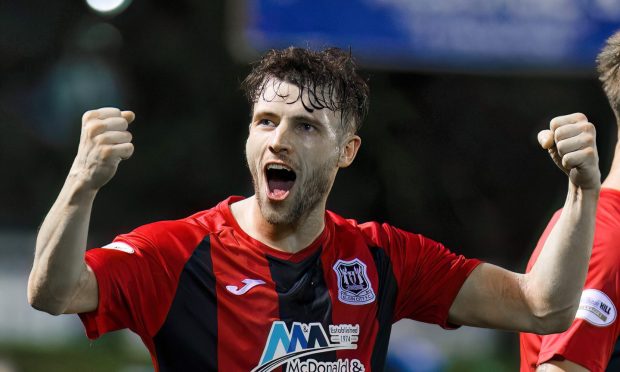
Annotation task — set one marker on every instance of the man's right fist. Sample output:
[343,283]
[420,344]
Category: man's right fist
[104,142]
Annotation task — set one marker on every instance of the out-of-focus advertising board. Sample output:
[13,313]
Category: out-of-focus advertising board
[463,35]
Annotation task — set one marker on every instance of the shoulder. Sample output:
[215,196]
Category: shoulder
[368,230]
[216,218]
[378,234]
[187,231]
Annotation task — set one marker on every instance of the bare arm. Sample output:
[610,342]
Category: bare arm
[545,299]
[60,281]
[560,366]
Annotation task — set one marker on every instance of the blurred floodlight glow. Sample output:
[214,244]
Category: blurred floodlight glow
[108,6]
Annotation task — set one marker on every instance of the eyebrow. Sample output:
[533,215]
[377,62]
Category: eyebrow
[264,113]
[307,118]
[297,118]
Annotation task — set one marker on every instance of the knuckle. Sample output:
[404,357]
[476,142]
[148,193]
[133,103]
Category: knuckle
[586,127]
[578,116]
[106,152]
[97,124]
[93,128]
[587,138]
[561,152]
[119,123]
[129,151]
[112,111]
[115,119]
[560,133]
[565,163]
[589,152]
[99,140]
[86,115]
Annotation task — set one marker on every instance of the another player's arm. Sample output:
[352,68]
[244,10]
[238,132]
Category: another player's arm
[60,281]
[560,366]
[544,300]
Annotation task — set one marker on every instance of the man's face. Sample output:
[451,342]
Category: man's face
[293,154]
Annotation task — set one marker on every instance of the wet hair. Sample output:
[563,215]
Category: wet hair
[329,78]
[608,66]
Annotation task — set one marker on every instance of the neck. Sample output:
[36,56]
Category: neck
[290,238]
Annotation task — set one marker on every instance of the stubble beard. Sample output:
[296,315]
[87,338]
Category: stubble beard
[306,198]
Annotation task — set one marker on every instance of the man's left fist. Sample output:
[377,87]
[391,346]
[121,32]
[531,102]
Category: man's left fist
[571,142]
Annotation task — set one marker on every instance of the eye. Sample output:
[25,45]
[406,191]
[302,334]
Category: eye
[266,122]
[307,127]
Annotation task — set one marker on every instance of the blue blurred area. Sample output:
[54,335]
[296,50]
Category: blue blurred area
[489,35]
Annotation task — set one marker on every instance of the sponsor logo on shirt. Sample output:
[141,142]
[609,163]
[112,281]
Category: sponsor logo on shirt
[354,288]
[596,308]
[249,284]
[120,246]
[287,346]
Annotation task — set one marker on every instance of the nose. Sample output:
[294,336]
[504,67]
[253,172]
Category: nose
[280,141]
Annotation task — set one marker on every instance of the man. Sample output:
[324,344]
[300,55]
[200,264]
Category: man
[588,344]
[275,280]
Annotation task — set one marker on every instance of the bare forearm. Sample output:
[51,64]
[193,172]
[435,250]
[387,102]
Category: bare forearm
[60,281]
[560,366]
[553,286]
[61,243]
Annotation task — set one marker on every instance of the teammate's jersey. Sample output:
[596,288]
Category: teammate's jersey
[205,296]
[590,340]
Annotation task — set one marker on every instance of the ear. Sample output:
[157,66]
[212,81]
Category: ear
[349,150]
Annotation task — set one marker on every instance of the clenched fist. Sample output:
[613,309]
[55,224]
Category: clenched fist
[571,142]
[104,142]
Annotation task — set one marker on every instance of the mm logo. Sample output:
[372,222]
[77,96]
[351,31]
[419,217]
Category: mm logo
[284,344]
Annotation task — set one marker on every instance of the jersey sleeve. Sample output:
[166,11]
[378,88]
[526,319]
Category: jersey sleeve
[429,276]
[137,276]
[590,340]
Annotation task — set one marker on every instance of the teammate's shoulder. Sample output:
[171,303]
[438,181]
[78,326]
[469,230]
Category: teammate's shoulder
[608,208]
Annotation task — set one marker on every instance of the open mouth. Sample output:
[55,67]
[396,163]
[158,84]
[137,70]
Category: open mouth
[280,180]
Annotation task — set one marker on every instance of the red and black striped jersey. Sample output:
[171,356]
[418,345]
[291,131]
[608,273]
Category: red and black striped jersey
[205,296]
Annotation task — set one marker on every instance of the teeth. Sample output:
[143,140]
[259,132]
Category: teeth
[278,166]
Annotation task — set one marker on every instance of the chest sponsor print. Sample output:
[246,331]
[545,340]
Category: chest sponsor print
[596,308]
[354,287]
[292,346]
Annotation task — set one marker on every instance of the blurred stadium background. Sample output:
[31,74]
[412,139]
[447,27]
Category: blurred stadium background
[459,90]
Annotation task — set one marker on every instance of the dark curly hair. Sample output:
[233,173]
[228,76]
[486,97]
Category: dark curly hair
[329,78]
[608,65]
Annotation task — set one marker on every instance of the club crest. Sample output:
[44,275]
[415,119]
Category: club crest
[354,288]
